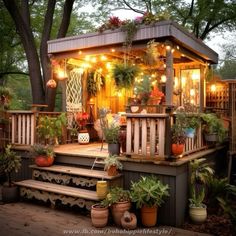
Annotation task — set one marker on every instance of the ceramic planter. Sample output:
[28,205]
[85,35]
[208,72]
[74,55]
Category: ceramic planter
[44,161]
[149,216]
[190,132]
[177,149]
[101,189]
[198,214]
[83,137]
[211,137]
[114,149]
[99,216]
[118,209]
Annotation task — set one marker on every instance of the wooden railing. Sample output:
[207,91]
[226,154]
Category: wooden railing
[23,126]
[145,134]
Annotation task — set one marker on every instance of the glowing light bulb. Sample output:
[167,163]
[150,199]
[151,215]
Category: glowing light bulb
[163,78]
[192,92]
[213,88]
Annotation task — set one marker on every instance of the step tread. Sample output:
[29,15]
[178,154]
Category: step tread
[77,171]
[59,189]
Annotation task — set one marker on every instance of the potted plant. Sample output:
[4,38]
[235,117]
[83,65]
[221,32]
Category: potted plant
[44,155]
[82,119]
[112,165]
[178,133]
[199,172]
[119,201]
[99,214]
[124,74]
[213,127]
[148,193]
[192,123]
[9,162]
[134,104]
[50,128]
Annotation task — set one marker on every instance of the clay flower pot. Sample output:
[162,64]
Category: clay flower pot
[112,171]
[118,209]
[99,215]
[149,216]
[44,161]
[177,149]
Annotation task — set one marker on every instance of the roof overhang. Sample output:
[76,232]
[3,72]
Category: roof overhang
[168,30]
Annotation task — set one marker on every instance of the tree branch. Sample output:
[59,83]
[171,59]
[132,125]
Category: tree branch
[13,73]
[190,13]
[133,9]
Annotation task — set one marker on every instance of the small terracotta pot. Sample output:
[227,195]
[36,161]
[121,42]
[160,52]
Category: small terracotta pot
[118,209]
[44,161]
[149,216]
[132,224]
[112,171]
[99,216]
[177,149]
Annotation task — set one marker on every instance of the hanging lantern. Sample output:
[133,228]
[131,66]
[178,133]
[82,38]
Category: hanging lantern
[61,72]
[51,83]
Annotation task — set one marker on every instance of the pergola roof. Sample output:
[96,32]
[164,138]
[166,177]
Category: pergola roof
[164,30]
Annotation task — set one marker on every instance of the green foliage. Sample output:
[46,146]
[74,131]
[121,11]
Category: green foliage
[124,75]
[111,133]
[130,28]
[228,69]
[42,150]
[112,161]
[149,191]
[213,125]
[115,195]
[200,171]
[51,127]
[10,162]
[178,128]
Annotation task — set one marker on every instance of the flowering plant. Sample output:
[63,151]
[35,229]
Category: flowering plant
[81,119]
[156,93]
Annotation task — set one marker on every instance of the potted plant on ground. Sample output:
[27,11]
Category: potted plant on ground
[44,155]
[83,135]
[99,214]
[213,127]
[199,172]
[148,193]
[119,201]
[9,162]
[112,165]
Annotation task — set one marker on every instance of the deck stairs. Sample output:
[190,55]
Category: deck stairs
[66,184]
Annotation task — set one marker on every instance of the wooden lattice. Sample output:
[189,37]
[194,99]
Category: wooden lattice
[233,116]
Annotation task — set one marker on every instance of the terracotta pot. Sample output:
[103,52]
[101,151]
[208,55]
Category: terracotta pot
[112,171]
[149,216]
[130,225]
[99,216]
[177,149]
[118,209]
[101,189]
[44,161]
[198,214]
[10,194]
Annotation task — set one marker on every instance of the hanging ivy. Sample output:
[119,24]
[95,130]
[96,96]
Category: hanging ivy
[95,82]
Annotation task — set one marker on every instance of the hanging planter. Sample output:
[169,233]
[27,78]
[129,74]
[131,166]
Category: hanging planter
[101,189]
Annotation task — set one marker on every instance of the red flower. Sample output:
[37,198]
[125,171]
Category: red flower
[115,21]
[81,119]
[156,93]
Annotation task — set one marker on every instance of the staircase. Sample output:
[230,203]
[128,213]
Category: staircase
[69,185]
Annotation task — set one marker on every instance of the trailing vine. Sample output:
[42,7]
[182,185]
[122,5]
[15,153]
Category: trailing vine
[95,82]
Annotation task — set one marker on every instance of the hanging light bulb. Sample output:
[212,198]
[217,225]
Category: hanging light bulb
[163,78]
[51,83]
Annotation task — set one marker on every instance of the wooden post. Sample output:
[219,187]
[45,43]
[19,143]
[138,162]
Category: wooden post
[202,100]
[63,90]
[169,76]
[168,134]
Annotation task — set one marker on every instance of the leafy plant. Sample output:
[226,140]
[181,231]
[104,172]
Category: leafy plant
[51,127]
[213,125]
[124,74]
[112,161]
[115,195]
[178,128]
[111,133]
[42,150]
[149,191]
[200,171]
[9,162]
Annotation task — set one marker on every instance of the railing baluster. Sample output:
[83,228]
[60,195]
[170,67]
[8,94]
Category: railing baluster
[136,136]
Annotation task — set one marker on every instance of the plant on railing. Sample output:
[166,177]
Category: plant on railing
[49,128]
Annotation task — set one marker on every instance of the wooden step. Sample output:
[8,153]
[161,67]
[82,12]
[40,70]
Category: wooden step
[59,189]
[100,174]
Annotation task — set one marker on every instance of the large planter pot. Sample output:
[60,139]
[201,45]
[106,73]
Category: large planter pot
[198,214]
[118,209]
[211,137]
[44,161]
[83,137]
[149,216]
[112,171]
[10,194]
[101,189]
[99,216]
[114,149]
[177,149]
